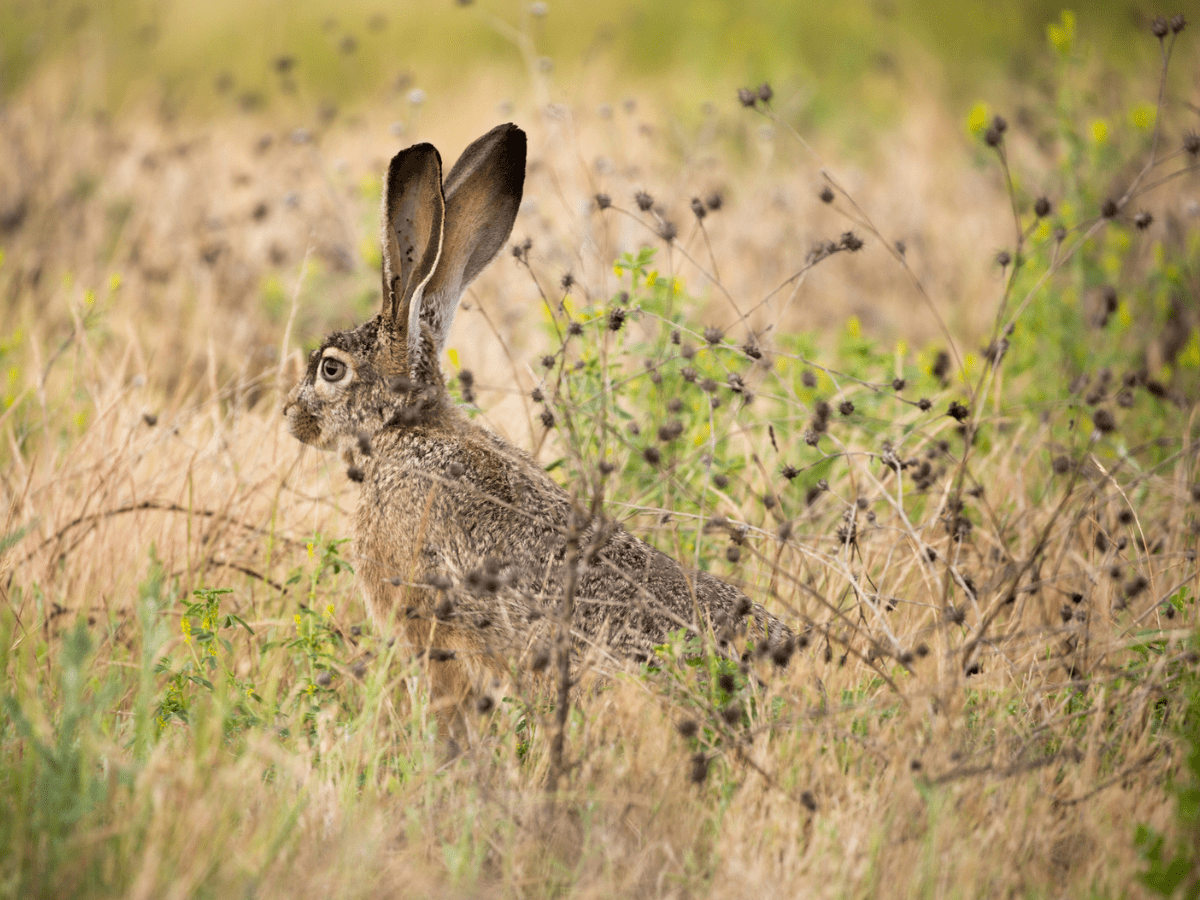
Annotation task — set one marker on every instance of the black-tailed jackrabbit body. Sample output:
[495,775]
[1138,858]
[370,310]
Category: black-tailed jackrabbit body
[461,538]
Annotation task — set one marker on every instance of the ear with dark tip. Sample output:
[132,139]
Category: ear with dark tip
[483,192]
[413,218]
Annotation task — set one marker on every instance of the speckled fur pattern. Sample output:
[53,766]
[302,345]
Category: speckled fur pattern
[460,537]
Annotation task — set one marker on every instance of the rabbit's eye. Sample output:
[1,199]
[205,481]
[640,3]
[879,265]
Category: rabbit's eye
[333,369]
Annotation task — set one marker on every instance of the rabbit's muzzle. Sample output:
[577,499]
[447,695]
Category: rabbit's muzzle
[303,425]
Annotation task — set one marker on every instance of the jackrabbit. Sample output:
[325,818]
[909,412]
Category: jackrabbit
[461,538]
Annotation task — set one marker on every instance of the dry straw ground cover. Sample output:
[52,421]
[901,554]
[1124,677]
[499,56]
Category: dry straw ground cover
[940,418]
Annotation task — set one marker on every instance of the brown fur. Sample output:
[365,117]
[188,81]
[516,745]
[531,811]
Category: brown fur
[460,537]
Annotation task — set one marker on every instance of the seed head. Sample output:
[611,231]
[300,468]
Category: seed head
[1142,220]
[809,801]
[898,384]
[765,93]
[789,471]
[747,97]
[401,384]
[733,553]
[1000,124]
[699,766]
[568,281]
[1109,208]
[727,682]
[941,365]
[698,208]
[851,241]
[355,474]
[846,408]
[652,456]
[1159,27]
[688,374]
[708,385]
[1103,419]
[547,417]
[687,728]
[667,230]
[643,200]
[808,378]
[603,201]
[826,194]
[721,481]
[536,395]
[1135,587]
[466,383]
[714,201]
[958,411]
[1178,23]
[670,431]
[713,334]
[1061,465]
[521,251]
[616,318]
[992,137]
[1003,258]
[548,361]
[1191,143]
[1041,208]
[575,329]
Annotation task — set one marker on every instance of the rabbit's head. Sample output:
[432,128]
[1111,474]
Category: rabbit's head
[436,238]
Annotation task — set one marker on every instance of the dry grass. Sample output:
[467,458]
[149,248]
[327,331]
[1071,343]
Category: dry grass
[982,713]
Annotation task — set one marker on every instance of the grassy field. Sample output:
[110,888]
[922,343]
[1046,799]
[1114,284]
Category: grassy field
[905,343]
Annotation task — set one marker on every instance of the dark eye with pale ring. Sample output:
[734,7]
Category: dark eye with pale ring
[333,369]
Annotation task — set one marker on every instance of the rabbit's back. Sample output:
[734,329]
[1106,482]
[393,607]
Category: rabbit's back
[459,527]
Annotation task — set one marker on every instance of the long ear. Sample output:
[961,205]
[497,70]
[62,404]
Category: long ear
[483,192]
[414,212]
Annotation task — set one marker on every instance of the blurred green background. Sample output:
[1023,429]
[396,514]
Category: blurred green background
[204,56]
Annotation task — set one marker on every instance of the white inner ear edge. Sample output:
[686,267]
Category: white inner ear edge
[414,327]
[414,313]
